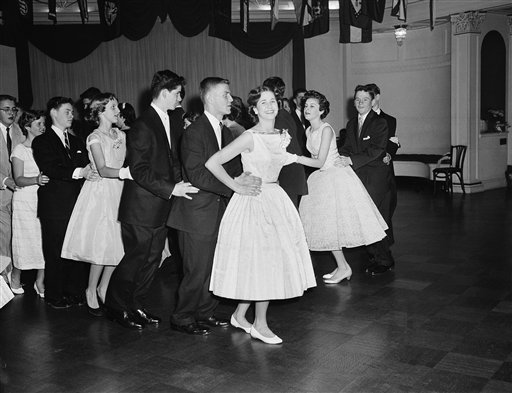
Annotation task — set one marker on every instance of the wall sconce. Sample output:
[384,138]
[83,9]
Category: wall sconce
[400,33]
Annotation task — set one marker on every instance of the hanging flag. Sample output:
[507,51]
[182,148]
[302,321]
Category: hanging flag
[355,21]
[376,10]
[316,12]
[274,13]
[299,6]
[399,9]
[84,12]
[432,14]
[244,15]
[220,21]
[52,10]
[109,11]
[26,10]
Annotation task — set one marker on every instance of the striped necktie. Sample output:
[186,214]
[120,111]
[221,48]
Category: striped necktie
[66,143]
[360,122]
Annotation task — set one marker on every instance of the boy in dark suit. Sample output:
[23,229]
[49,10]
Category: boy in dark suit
[153,162]
[63,158]
[364,149]
[198,220]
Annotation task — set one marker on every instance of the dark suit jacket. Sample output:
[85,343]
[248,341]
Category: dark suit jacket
[391,147]
[202,214]
[155,169]
[177,124]
[292,177]
[57,198]
[367,152]
[301,133]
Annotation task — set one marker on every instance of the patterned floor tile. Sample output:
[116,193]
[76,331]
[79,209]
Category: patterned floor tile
[469,365]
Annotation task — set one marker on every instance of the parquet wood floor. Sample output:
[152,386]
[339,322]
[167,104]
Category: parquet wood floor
[441,322]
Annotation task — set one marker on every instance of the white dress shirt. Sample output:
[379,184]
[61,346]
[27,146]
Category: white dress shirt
[164,117]
[216,127]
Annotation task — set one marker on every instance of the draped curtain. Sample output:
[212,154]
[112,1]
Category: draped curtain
[136,21]
[126,67]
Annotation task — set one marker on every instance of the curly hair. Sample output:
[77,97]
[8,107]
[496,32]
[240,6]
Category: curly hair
[127,112]
[97,106]
[27,117]
[276,84]
[253,98]
[323,104]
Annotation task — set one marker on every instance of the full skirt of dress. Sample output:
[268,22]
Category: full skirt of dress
[94,233]
[261,251]
[27,248]
[338,211]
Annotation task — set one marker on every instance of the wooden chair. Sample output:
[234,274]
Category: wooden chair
[455,158]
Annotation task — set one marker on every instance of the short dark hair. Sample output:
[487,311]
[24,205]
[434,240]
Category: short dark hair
[237,109]
[7,97]
[127,112]
[57,102]
[167,80]
[374,87]
[276,84]
[209,83]
[97,106]
[90,93]
[323,104]
[365,88]
[190,116]
[253,98]
[296,92]
[27,117]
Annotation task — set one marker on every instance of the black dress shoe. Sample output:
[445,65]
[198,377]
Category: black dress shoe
[377,269]
[97,312]
[145,318]
[213,322]
[58,304]
[191,328]
[125,319]
[75,300]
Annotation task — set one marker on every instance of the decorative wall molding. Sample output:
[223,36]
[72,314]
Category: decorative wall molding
[467,22]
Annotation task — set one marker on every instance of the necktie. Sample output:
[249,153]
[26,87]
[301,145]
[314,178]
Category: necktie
[222,138]
[66,143]
[360,122]
[9,142]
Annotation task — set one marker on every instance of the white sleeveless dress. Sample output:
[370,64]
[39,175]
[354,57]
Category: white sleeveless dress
[27,249]
[94,233]
[338,211]
[261,251]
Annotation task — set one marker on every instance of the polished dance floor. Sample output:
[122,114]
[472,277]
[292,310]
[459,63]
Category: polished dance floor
[441,322]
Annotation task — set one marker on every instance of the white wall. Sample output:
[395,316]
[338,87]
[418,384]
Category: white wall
[414,80]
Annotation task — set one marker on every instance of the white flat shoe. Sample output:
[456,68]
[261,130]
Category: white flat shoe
[41,294]
[329,275]
[267,340]
[235,323]
[17,291]
[347,275]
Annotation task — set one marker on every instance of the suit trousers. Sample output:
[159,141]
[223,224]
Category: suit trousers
[132,278]
[195,301]
[377,185]
[62,277]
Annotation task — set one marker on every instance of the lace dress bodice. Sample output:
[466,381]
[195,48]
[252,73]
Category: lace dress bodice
[313,145]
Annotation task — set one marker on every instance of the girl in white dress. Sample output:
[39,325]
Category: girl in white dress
[94,234]
[338,211]
[27,250]
[261,251]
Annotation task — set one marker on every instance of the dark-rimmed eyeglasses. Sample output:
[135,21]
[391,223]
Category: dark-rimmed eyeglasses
[9,110]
